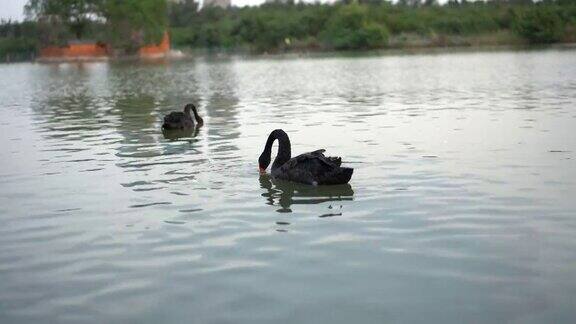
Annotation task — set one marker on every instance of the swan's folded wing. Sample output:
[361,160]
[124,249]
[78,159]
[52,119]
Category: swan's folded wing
[310,159]
[335,160]
[317,152]
[336,176]
[307,168]
[314,168]
[174,117]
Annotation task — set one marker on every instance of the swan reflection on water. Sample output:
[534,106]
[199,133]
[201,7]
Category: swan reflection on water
[176,134]
[286,194]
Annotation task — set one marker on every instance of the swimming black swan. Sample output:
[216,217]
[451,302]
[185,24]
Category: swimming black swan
[311,168]
[182,120]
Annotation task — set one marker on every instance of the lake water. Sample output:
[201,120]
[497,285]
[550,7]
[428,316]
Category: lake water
[462,207]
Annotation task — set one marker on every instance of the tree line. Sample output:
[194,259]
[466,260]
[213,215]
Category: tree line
[370,24]
[289,26]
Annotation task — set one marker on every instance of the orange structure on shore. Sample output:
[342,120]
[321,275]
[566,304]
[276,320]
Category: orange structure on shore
[153,51]
[86,51]
[75,51]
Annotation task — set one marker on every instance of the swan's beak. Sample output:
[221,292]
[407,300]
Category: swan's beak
[262,171]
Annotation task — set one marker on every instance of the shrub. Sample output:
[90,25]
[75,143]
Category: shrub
[539,25]
[350,28]
[16,49]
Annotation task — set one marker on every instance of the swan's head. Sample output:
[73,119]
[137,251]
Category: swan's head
[264,161]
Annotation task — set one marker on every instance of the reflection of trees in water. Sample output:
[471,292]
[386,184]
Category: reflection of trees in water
[137,79]
[286,193]
[136,125]
[219,82]
[67,101]
[172,85]
[135,115]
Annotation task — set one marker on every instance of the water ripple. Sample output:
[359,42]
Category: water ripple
[462,191]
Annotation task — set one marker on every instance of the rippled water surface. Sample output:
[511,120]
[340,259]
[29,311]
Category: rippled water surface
[462,207]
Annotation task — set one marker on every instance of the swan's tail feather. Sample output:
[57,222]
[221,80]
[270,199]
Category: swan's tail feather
[336,160]
[339,176]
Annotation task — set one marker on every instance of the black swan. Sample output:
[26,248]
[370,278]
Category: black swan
[310,168]
[182,120]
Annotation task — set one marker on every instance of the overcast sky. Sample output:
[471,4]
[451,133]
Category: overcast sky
[12,9]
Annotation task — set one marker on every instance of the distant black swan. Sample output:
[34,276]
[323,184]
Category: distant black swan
[311,168]
[182,120]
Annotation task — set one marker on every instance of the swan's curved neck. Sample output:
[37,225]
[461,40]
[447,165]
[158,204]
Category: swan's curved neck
[187,109]
[284,150]
[197,117]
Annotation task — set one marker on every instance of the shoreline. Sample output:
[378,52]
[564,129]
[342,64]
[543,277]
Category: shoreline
[190,53]
[220,54]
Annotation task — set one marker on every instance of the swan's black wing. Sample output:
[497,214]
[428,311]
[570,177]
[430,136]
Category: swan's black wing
[177,120]
[336,160]
[174,117]
[314,168]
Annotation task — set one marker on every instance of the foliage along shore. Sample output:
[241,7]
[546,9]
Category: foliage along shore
[358,25]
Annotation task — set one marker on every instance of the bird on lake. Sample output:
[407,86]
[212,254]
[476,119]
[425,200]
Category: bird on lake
[310,168]
[178,120]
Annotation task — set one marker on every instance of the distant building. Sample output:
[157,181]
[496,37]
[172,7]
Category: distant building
[217,3]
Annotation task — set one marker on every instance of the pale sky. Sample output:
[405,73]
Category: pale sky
[12,9]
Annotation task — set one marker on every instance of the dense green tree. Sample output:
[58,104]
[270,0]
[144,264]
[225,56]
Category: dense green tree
[133,23]
[351,28]
[410,3]
[76,14]
[182,13]
[130,23]
[18,40]
[540,25]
